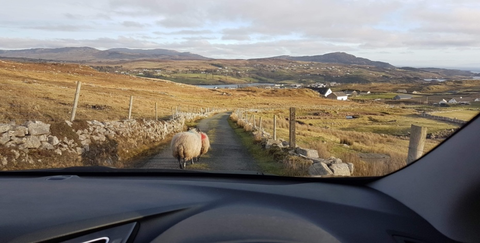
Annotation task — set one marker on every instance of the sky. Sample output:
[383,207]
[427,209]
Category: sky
[438,33]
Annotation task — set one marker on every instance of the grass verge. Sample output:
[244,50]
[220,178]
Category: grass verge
[273,161]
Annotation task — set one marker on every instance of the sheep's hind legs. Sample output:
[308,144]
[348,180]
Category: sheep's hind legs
[182,164]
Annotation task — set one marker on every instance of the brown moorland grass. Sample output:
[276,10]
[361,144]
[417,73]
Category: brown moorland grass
[32,91]
[347,144]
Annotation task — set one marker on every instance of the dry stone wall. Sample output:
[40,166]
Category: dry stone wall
[319,167]
[35,144]
[442,118]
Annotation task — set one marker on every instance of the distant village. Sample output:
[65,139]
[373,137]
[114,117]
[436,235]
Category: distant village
[325,89]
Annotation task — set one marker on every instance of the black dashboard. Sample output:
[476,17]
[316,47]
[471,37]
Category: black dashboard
[191,207]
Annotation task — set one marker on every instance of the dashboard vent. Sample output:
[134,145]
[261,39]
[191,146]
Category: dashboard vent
[98,240]
[114,235]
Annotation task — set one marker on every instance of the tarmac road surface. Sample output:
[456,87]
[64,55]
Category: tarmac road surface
[227,154]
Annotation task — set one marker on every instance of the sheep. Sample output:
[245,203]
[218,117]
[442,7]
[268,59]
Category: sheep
[186,146]
[205,145]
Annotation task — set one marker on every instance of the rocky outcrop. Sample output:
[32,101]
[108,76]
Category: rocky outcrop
[319,169]
[335,165]
[310,153]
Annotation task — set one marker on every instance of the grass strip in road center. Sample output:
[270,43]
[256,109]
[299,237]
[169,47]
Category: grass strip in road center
[262,157]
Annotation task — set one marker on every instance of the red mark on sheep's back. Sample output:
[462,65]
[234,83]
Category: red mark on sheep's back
[203,136]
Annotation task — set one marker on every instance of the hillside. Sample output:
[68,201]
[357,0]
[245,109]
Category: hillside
[87,54]
[339,58]
[281,71]
[184,67]
[33,91]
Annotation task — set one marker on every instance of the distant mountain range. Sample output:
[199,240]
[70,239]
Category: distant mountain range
[88,54]
[338,57]
[92,55]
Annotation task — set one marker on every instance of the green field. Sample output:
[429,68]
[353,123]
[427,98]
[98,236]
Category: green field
[383,96]
[464,115]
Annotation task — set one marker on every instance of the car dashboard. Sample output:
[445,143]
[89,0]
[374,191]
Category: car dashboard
[201,207]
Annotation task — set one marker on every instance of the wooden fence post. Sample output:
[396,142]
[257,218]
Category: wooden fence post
[130,108]
[254,125]
[75,100]
[418,136]
[275,127]
[291,129]
[260,124]
[156,116]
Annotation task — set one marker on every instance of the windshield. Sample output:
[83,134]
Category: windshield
[288,88]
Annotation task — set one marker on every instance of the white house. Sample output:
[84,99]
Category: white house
[323,91]
[452,101]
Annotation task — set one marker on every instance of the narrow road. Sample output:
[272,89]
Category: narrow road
[227,154]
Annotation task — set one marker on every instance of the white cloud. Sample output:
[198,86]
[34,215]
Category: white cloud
[132,24]
[248,28]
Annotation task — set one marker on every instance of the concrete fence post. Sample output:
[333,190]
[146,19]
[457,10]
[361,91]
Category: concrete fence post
[156,114]
[418,136]
[291,129]
[130,108]
[274,127]
[75,100]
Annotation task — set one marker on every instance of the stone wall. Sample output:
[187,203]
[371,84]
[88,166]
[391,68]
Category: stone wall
[442,118]
[318,167]
[36,144]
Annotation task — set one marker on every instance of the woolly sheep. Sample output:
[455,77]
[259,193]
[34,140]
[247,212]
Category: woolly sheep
[186,146]
[205,145]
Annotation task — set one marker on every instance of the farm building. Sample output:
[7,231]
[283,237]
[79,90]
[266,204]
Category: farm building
[443,101]
[476,100]
[402,97]
[364,92]
[337,96]
[452,101]
[352,93]
[415,92]
[323,91]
